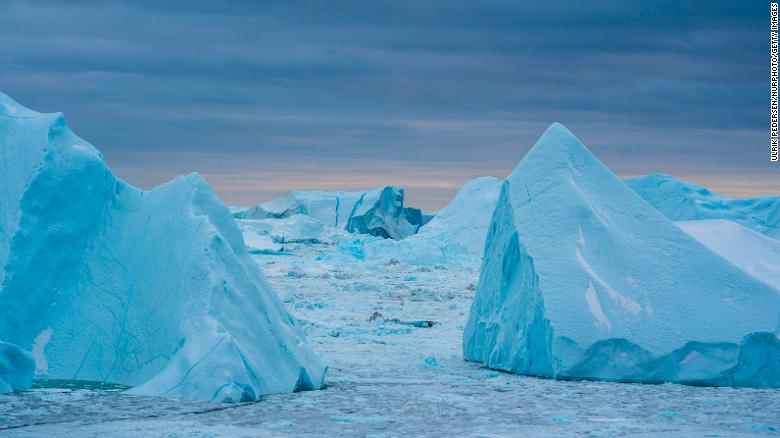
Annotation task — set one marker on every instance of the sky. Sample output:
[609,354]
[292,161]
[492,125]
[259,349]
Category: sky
[267,97]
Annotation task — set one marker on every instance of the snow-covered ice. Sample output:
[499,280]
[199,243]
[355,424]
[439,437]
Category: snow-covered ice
[583,279]
[749,250]
[106,282]
[682,201]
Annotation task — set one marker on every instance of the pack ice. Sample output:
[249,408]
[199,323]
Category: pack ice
[681,201]
[107,282]
[583,279]
[379,212]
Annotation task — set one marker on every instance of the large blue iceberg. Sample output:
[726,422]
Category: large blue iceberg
[152,289]
[378,212]
[681,201]
[584,279]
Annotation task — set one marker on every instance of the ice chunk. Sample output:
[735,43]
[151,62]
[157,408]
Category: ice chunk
[150,289]
[262,235]
[467,217]
[456,234]
[387,218]
[753,252]
[681,201]
[378,212]
[583,279]
[16,368]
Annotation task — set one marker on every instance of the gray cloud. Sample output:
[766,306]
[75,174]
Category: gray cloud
[367,92]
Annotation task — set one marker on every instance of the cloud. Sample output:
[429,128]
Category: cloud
[429,85]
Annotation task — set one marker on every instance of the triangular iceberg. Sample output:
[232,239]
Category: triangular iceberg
[584,279]
[150,289]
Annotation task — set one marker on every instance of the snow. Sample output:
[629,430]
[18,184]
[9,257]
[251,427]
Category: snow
[379,212]
[39,352]
[16,368]
[681,201]
[565,224]
[154,290]
[753,252]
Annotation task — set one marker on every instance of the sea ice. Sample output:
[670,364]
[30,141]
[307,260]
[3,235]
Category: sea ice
[110,283]
[583,279]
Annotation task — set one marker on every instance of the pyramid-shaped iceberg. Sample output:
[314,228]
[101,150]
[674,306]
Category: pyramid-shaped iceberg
[115,284]
[583,279]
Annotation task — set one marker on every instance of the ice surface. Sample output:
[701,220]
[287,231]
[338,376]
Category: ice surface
[16,368]
[583,279]
[271,235]
[681,201]
[379,212]
[109,283]
[467,217]
[393,380]
[455,235]
[753,252]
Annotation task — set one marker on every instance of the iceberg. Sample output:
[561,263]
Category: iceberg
[582,279]
[151,289]
[749,250]
[456,234]
[379,212]
[262,235]
[467,217]
[681,201]
[16,368]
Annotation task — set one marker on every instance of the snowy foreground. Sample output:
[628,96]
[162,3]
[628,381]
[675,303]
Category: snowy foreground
[395,378]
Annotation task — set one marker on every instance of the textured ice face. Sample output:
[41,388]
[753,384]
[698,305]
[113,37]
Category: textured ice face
[583,279]
[751,251]
[16,368]
[150,289]
[681,201]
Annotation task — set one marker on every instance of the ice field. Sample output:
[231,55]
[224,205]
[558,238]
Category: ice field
[395,378]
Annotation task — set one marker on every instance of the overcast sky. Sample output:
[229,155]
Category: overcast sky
[266,97]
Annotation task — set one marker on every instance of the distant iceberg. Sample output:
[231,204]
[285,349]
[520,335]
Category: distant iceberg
[583,279]
[379,212]
[150,289]
[681,201]
[749,250]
